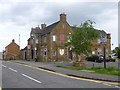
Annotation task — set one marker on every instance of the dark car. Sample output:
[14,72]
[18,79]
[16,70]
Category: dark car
[95,58]
[107,58]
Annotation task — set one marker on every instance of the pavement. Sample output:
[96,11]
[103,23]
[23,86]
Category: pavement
[51,66]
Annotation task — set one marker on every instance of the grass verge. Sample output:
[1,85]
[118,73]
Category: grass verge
[100,70]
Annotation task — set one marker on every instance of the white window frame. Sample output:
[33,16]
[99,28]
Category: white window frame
[54,38]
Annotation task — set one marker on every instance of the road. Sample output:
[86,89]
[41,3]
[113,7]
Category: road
[0,74]
[20,76]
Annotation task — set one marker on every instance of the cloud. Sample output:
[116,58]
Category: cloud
[18,17]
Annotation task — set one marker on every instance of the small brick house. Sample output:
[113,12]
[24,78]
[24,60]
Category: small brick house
[12,51]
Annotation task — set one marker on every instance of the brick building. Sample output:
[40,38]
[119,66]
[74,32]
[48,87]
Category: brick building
[12,51]
[48,43]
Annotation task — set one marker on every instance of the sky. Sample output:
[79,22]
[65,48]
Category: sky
[19,16]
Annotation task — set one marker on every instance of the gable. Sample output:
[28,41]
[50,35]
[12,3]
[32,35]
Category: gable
[11,45]
[63,28]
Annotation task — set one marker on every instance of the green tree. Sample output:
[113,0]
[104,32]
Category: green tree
[81,39]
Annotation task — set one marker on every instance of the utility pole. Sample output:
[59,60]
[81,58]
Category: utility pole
[19,45]
[104,57]
[19,39]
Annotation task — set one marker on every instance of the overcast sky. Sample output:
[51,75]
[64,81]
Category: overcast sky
[18,17]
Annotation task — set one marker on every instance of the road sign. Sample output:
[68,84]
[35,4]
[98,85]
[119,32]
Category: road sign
[28,46]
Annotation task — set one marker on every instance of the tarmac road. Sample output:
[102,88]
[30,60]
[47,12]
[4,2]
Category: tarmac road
[21,76]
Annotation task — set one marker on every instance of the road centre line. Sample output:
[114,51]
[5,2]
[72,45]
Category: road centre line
[13,70]
[4,66]
[0,88]
[31,78]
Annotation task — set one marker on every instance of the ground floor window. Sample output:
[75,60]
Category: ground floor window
[54,53]
[61,51]
[45,51]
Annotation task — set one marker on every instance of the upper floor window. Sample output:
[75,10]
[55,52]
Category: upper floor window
[99,41]
[45,51]
[32,40]
[40,40]
[45,39]
[62,37]
[68,38]
[36,41]
[54,38]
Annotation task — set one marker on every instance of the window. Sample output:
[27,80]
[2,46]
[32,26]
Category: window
[62,37]
[53,38]
[45,51]
[99,51]
[68,38]
[36,41]
[45,39]
[41,52]
[32,41]
[40,40]
[61,51]
[99,41]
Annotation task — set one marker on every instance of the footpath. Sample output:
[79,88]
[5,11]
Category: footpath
[51,66]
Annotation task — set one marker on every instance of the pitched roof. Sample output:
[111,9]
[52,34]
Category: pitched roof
[37,30]
[12,43]
[49,28]
[24,48]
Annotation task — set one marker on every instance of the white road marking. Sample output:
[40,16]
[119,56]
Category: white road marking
[106,84]
[4,66]
[117,86]
[13,70]
[97,81]
[31,78]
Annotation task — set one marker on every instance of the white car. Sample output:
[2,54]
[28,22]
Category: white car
[114,56]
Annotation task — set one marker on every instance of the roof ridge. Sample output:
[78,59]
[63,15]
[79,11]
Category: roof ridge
[49,28]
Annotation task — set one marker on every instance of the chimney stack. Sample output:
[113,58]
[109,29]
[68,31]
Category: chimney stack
[43,26]
[108,36]
[13,40]
[63,17]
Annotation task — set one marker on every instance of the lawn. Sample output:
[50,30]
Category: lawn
[100,70]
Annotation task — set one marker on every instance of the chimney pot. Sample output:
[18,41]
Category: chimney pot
[43,26]
[13,40]
[63,17]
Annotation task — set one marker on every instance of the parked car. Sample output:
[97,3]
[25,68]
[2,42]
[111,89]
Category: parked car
[107,58]
[98,59]
[95,58]
[112,59]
